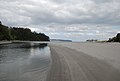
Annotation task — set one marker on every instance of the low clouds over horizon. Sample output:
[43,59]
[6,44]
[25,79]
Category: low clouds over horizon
[66,19]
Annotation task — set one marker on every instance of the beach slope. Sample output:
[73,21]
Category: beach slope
[71,65]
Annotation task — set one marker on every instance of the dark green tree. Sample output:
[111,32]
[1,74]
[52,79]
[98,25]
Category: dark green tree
[4,33]
[115,39]
[24,34]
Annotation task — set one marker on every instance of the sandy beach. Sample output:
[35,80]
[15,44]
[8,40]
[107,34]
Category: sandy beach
[5,42]
[84,62]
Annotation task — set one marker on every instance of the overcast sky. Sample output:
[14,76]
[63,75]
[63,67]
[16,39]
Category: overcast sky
[77,20]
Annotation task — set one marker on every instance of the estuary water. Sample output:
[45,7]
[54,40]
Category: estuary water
[24,62]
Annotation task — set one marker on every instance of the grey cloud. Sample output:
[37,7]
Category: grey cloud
[102,1]
[49,12]
[63,13]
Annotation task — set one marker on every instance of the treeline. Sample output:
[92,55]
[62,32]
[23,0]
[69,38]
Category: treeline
[115,39]
[24,34]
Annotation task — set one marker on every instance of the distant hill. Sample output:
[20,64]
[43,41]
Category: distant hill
[62,40]
[17,33]
[115,39]
[92,40]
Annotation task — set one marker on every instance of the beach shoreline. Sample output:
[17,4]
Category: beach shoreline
[5,42]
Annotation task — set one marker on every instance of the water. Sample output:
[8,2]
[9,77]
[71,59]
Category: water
[24,62]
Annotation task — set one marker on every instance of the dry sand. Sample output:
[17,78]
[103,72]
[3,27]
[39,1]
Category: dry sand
[84,62]
[109,52]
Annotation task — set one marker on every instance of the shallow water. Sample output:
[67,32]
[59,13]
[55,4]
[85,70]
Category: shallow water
[24,62]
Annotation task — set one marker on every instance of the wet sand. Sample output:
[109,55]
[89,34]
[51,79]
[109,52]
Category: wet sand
[83,62]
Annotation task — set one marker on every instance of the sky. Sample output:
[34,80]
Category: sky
[76,20]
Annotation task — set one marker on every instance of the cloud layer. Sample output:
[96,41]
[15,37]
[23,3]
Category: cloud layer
[70,19]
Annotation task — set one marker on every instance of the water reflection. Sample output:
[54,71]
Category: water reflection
[24,62]
[24,45]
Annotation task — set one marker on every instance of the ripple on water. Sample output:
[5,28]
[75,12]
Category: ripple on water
[24,62]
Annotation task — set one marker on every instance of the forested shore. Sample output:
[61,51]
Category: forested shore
[18,33]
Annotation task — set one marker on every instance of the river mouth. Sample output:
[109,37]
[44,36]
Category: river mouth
[24,61]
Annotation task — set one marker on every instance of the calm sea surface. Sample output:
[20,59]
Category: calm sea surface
[24,62]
